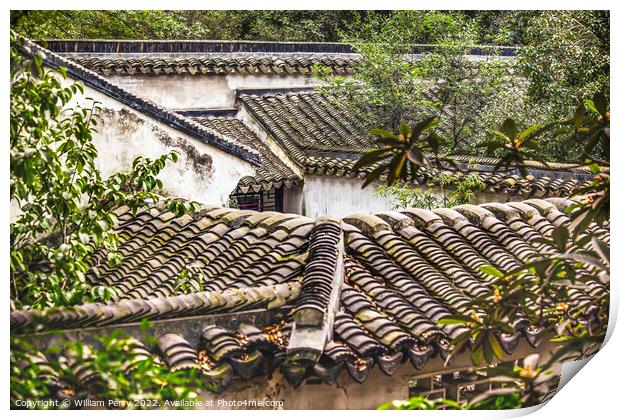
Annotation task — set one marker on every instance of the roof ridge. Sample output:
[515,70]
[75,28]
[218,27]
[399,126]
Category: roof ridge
[170,118]
[231,46]
[550,166]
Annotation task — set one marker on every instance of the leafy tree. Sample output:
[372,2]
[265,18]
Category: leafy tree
[267,25]
[390,85]
[564,57]
[111,24]
[62,206]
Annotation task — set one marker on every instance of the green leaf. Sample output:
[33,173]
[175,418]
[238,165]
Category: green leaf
[528,131]
[435,141]
[601,249]
[487,348]
[587,259]
[590,104]
[385,134]
[492,271]
[579,116]
[398,169]
[496,346]
[416,156]
[404,130]
[424,125]
[477,357]
[375,174]
[455,319]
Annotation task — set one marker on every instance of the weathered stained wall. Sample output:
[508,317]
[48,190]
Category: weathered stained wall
[182,92]
[203,172]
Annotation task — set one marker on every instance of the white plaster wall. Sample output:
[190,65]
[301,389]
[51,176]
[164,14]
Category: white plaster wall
[204,91]
[339,197]
[180,92]
[203,172]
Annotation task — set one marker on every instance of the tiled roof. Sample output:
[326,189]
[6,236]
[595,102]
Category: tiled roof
[317,135]
[373,284]
[220,63]
[272,171]
[175,120]
[302,121]
[327,140]
[208,57]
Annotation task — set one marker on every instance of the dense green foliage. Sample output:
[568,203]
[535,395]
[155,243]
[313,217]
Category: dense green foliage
[271,25]
[265,25]
[62,216]
[565,55]
[563,58]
